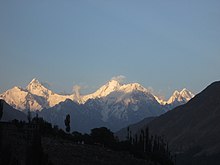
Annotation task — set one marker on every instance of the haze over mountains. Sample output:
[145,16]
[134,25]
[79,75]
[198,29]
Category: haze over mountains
[114,104]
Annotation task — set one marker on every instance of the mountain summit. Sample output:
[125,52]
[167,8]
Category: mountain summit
[113,86]
[103,91]
[36,88]
[180,97]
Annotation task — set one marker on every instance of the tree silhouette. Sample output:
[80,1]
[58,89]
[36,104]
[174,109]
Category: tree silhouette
[151,148]
[29,116]
[103,136]
[67,123]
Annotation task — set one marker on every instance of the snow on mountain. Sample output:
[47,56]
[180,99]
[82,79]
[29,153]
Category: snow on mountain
[36,88]
[180,97]
[186,94]
[121,104]
[125,104]
[111,96]
[114,104]
[34,97]
[160,101]
[21,99]
[129,94]
[106,89]
[118,100]
[113,86]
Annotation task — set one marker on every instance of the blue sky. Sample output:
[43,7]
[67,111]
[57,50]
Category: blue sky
[165,45]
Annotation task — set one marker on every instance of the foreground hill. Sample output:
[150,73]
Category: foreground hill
[10,113]
[193,126]
[65,152]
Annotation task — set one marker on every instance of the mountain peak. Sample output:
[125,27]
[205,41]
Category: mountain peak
[105,90]
[113,83]
[176,93]
[35,87]
[183,96]
[34,84]
[109,87]
[34,81]
[133,87]
[113,86]
[17,88]
[184,90]
[186,94]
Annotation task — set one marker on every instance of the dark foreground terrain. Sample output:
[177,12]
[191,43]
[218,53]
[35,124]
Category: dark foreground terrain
[37,142]
[64,152]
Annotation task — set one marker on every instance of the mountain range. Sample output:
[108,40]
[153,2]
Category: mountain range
[114,104]
[191,129]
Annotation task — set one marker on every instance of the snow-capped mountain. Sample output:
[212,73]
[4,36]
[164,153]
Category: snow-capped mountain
[113,86]
[125,99]
[114,104]
[34,97]
[123,104]
[103,91]
[160,101]
[36,88]
[180,97]
[21,99]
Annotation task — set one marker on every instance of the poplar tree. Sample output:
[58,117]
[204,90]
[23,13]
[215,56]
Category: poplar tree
[67,123]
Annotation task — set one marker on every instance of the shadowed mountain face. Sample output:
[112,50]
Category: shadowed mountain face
[81,118]
[120,109]
[193,125]
[9,113]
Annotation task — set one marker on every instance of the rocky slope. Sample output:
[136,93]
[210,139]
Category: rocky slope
[194,124]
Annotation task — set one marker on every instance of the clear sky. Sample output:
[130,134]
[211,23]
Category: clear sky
[165,45]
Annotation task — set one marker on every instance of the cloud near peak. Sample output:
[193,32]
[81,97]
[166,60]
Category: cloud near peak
[120,78]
